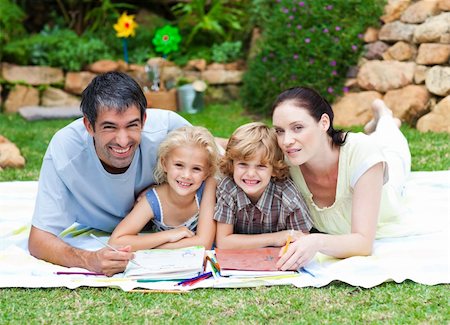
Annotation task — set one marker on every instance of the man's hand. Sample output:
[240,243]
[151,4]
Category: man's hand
[110,262]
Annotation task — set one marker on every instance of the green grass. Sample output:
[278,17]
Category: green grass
[406,303]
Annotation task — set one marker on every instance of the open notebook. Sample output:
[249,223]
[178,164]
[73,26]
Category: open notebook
[167,264]
[255,262]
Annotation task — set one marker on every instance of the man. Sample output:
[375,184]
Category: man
[94,169]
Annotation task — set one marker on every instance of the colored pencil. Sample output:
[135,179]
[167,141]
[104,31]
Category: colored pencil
[79,273]
[114,249]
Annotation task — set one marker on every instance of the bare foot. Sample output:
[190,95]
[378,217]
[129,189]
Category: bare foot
[379,109]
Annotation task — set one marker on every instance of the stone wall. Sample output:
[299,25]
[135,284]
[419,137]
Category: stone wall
[406,63]
[64,89]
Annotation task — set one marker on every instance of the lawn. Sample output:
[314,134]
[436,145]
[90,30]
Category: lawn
[407,302]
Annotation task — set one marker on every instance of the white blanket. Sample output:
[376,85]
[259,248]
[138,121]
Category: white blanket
[423,256]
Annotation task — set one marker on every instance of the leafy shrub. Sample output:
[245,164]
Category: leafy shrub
[227,51]
[10,22]
[308,43]
[213,19]
[58,48]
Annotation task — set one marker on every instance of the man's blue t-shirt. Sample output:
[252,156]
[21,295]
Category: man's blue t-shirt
[74,186]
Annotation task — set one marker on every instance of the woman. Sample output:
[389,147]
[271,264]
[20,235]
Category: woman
[352,182]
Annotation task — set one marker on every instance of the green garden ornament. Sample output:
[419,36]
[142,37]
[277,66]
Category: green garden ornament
[166,39]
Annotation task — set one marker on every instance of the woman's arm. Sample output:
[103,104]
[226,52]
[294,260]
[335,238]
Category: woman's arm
[365,210]
[127,231]
[206,228]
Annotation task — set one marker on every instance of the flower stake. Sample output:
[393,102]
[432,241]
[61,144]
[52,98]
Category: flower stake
[125,27]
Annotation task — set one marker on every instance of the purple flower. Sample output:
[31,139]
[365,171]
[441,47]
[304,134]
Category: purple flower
[293,77]
[360,35]
[295,56]
[301,3]
[354,47]
[334,73]
[336,39]
[345,89]
[271,55]
[329,7]
[330,90]
[299,27]
[288,25]
[285,10]
[273,79]
[325,30]
[333,63]
[264,59]
[307,40]
[311,61]
[338,28]
[291,17]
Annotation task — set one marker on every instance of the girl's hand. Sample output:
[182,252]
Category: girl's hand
[299,253]
[179,233]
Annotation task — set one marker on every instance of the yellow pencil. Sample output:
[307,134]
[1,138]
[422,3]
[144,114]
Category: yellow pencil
[288,241]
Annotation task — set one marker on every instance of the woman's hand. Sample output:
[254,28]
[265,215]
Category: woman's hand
[299,253]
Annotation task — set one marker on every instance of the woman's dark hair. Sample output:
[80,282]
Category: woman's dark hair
[112,90]
[315,104]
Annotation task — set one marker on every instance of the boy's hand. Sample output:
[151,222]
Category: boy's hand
[179,233]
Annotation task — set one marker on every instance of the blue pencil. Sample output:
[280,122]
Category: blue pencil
[198,277]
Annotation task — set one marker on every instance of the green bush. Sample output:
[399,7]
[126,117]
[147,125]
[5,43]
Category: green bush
[226,52]
[308,43]
[57,48]
[11,16]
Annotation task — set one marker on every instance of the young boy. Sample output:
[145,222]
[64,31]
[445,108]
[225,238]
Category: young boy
[257,205]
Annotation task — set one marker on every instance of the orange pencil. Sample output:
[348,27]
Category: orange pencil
[288,241]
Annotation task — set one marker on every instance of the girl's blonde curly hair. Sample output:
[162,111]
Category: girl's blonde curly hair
[183,137]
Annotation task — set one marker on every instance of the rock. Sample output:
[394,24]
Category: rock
[199,65]
[76,82]
[437,80]
[432,53]
[10,155]
[21,96]
[371,35]
[215,77]
[54,97]
[215,66]
[103,66]
[400,51]
[396,31]
[354,108]
[394,9]
[438,120]
[418,12]
[32,75]
[408,103]
[420,74]
[444,5]
[433,30]
[374,51]
[385,75]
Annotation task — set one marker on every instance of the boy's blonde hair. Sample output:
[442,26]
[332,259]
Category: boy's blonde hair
[244,144]
[187,136]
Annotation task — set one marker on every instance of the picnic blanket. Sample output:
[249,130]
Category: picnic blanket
[422,256]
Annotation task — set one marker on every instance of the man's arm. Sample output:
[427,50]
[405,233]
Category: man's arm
[48,247]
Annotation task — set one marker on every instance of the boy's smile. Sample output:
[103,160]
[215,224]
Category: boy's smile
[252,176]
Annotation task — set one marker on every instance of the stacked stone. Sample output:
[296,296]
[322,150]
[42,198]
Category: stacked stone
[25,81]
[406,63]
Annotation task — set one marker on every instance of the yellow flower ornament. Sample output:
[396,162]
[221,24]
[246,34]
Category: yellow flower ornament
[125,25]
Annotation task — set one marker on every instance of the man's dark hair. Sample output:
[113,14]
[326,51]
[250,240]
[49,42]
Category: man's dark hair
[111,91]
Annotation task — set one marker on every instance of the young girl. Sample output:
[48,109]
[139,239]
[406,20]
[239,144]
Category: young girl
[181,206]
[257,205]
